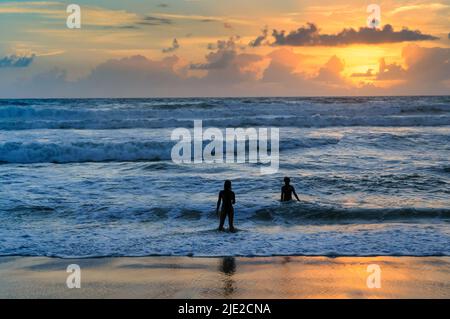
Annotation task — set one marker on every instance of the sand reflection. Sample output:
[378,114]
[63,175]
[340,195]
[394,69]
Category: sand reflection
[227,267]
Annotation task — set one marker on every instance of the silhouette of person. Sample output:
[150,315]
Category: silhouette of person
[287,190]
[227,198]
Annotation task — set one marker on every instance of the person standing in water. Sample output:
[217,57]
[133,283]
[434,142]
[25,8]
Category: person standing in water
[227,198]
[287,190]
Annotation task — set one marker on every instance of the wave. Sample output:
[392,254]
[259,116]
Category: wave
[313,212]
[129,151]
[292,213]
[99,230]
[316,121]
[167,113]
[78,152]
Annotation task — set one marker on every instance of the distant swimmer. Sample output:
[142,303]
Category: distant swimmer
[227,198]
[287,190]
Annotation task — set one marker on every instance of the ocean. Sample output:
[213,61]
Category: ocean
[94,178]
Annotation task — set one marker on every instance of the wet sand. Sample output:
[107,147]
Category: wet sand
[185,277]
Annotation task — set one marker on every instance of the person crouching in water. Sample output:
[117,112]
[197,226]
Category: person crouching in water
[287,190]
[227,198]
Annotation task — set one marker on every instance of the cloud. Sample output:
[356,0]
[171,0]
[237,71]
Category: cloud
[175,46]
[310,35]
[154,21]
[260,39]
[427,65]
[138,76]
[230,71]
[216,60]
[227,25]
[45,8]
[420,7]
[285,76]
[163,5]
[423,66]
[369,73]
[331,71]
[49,83]
[424,71]
[202,18]
[224,44]
[92,16]
[224,53]
[14,61]
[282,67]
[392,71]
[133,76]
[285,72]
[227,63]
[238,70]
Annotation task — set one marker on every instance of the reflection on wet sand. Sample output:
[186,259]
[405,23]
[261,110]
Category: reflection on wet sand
[228,268]
[267,277]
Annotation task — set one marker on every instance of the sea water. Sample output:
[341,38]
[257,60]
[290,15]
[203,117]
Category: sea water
[94,177]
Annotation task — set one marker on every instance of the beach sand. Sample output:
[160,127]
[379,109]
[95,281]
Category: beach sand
[185,277]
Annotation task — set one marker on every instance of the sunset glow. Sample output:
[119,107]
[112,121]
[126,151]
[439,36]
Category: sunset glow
[219,41]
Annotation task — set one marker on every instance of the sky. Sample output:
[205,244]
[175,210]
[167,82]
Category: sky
[183,48]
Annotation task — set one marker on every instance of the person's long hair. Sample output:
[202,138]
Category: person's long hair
[227,185]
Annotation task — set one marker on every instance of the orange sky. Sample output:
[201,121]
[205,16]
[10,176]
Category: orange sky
[122,31]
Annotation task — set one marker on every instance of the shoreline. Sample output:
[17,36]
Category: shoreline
[278,277]
[226,256]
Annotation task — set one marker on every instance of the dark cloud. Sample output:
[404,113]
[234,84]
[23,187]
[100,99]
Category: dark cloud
[392,71]
[14,61]
[225,52]
[138,76]
[163,5]
[260,39]
[132,27]
[226,64]
[132,76]
[216,60]
[369,73]
[110,27]
[310,35]
[229,44]
[154,21]
[174,47]
[230,68]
